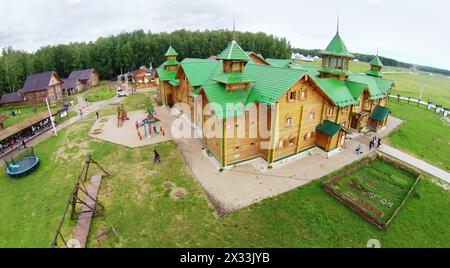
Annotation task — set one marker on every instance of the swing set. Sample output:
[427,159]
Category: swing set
[151,127]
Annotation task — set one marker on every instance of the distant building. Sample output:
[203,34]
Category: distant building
[87,78]
[71,86]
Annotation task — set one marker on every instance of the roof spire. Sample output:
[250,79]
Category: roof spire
[378,48]
[234,29]
[337,27]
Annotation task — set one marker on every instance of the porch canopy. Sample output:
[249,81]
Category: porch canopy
[329,128]
[380,113]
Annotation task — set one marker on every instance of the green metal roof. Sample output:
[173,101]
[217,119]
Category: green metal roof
[284,63]
[380,113]
[312,70]
[356,89]
[337,48]
[335,72]
[233,78]
[195,92]
[271,82]
[174,82]
[171,52]
[226,103]
[198,71]
[375,73]
[171,63]
[378,87]
[165,75]
[329,128]
[376,62]
[339,91]
[233,52]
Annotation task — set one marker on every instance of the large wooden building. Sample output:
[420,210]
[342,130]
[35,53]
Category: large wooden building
[303,107]
[36,89]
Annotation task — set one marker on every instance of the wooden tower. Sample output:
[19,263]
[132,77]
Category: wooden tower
[335,59]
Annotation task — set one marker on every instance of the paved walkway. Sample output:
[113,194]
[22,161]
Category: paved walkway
[422,165]
[251,182]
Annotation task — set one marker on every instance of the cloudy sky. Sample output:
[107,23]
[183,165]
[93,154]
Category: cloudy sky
[407,30]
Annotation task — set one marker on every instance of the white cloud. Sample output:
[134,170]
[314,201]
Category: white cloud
[401,28]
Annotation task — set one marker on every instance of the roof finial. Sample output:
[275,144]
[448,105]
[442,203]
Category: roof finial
[378,48]
[337,28]
[234,29]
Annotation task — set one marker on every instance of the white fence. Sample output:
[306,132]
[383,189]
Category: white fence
[437,108]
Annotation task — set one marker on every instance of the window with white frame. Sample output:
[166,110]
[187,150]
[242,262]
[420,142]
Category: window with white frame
[330,111]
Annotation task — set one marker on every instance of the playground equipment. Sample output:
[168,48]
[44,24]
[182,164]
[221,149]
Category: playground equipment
[151,127]
[27,163]
[122,115]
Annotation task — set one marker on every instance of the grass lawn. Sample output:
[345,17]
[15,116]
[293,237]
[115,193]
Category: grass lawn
[423,134]
[378,189]
[137,101]
[100,93]
[436,87]
[145,214]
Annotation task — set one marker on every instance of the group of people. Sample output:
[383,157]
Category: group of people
[373,144]
[18,141]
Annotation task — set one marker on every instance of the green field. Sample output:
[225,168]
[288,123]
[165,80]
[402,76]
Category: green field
[145,214]
[424,133]
[377,188]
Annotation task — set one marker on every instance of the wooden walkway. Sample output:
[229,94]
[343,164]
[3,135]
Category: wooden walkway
[84,220]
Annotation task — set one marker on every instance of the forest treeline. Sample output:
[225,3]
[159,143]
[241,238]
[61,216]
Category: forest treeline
[386,61]
[126,51]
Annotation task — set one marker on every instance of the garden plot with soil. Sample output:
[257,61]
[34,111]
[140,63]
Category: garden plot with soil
[376,189]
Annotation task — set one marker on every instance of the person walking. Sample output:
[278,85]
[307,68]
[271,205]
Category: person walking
[157,157]
[371,145]
[379,143]
[24,144]
[359,148]
[96,113]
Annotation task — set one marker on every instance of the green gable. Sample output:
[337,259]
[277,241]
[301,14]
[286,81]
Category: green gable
[171,52]
[225,103]
[380,113]
[376,62]
[199,71]
[164,75]
[378,87]
[329,128]
[337,48]
[233,52]
[271,82]
[339,91]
